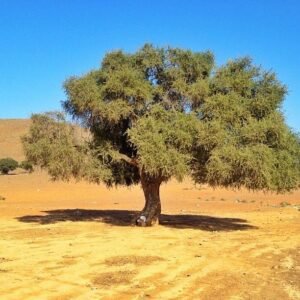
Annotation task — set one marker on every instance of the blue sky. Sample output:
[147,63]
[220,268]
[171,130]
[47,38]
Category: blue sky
[44,42]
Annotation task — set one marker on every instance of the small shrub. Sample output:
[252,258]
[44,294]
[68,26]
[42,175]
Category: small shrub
[241,200]
[284,204]
[7,164]
[2,198]
[27,166]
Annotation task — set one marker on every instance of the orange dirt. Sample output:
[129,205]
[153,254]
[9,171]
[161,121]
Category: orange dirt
[74,241]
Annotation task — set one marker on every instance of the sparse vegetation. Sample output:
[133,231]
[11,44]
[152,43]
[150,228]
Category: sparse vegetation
[2,198]
[241,200]
[284,204]
[7,164]
[27,166]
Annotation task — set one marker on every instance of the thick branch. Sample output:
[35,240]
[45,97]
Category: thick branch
[129,160]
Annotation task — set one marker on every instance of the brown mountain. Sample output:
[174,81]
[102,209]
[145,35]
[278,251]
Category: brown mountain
[10,132]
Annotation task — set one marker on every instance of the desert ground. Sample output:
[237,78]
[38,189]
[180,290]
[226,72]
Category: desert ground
[75,240]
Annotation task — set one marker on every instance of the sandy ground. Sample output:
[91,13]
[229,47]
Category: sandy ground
[74,241]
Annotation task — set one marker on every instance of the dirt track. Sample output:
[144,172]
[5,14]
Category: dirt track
[74,241]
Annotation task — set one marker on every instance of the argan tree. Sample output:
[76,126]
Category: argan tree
[167,112]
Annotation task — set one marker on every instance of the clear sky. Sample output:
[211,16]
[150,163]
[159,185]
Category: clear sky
[42,42]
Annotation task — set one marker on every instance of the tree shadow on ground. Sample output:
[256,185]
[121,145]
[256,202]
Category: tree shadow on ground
[126,217]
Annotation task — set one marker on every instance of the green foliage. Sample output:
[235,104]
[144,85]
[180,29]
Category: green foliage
[51,144]
[164,141]
[7,165]
[165,112]
[243,138]
[26,165]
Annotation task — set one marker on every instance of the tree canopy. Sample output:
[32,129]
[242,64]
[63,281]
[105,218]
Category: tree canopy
[168,112]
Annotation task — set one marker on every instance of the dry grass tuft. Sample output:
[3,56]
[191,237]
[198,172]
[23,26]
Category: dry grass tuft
[114,278]
[135,260]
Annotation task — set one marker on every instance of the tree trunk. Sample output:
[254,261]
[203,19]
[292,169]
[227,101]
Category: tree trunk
[150,213]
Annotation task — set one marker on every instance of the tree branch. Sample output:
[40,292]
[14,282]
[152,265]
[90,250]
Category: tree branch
[129,160]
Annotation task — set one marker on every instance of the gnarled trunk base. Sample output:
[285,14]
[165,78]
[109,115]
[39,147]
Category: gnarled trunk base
[150,214]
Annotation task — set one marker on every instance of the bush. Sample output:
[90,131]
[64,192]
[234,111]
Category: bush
[27,166]
[7,164]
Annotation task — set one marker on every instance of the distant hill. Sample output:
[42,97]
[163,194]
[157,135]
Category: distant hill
[10,132]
